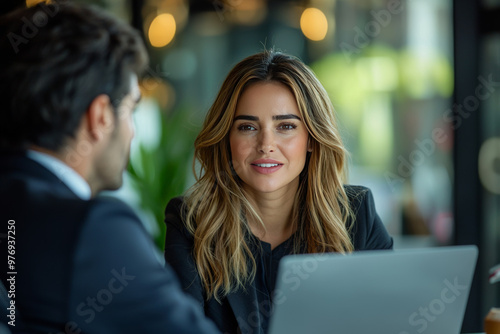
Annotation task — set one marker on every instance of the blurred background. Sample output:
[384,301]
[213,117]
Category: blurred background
[415,83]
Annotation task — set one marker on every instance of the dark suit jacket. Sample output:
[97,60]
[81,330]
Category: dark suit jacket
[242,311]
[85,265]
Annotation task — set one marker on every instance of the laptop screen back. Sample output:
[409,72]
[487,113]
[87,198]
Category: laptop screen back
[386,292]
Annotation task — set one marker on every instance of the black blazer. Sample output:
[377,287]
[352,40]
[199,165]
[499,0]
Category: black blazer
[240,311]
[85,265]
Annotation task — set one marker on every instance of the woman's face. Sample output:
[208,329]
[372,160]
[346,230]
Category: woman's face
[268,139]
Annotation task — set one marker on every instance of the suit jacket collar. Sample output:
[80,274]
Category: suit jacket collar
[17,163]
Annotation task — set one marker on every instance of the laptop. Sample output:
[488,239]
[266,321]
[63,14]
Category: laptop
[407,291]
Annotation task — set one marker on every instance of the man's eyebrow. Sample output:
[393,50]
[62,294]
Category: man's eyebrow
[138,99]
[136,103]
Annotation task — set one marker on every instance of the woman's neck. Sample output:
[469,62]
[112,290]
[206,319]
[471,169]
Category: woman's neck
[275,210]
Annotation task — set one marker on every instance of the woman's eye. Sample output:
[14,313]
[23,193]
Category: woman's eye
[287,126]
[246,127]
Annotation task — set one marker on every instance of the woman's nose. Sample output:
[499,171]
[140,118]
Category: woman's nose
[266,142]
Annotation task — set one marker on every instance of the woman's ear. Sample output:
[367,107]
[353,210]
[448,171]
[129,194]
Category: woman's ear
[309,145]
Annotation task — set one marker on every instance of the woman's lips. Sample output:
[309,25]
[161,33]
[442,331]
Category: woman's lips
[266,166]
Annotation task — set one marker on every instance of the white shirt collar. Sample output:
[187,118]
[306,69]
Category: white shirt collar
[66,174]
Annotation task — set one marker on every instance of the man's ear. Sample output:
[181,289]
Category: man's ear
[100,118]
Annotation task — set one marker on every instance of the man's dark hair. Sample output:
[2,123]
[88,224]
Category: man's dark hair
[54,60]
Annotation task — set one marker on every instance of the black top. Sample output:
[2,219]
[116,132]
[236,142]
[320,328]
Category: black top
[267,271]
[249,309]
[84,266]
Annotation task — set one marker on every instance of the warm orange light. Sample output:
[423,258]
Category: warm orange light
[31,3]
[162,30]
[249,12]
[314,24]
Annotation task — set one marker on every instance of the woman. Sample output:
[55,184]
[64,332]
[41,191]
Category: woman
[271,184]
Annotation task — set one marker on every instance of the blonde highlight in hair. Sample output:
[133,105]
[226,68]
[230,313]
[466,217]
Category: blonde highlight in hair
[217,208]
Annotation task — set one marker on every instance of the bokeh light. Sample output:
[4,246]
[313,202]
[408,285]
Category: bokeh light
[162,30]
[314,24]
[31,3]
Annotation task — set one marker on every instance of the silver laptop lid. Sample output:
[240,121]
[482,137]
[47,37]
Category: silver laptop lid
[376,292]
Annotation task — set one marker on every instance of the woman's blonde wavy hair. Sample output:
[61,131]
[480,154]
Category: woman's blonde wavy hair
[217,208]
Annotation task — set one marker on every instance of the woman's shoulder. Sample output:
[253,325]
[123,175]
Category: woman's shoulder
[357,195]
[368,231]
[175,212]
[361,200]
[176,204]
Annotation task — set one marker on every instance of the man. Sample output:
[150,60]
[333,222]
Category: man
[71,262]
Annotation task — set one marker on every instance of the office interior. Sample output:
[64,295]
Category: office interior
[415,84]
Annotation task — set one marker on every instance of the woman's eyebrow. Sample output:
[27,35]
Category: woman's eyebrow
[288,116]
[246,117]
[275,118]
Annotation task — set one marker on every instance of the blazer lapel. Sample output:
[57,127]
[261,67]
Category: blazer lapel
[245,307]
